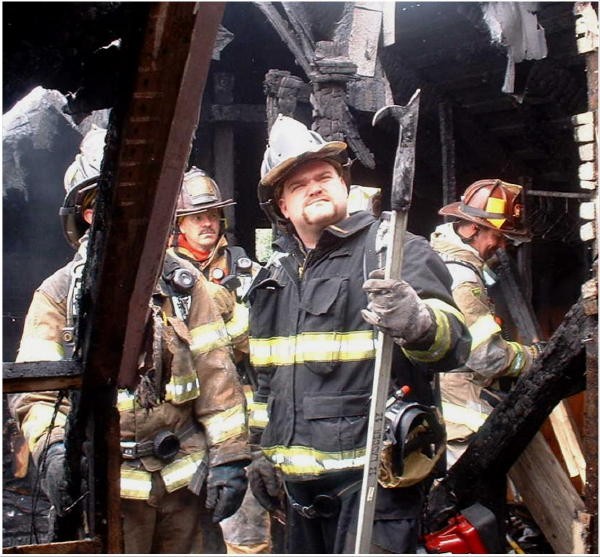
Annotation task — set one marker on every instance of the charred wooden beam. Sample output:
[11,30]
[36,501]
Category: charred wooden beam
[41,376]
[149,143]
[510,427]
[244,113]
[82,547]
[526,473]
[563,194]
[283,91]
[288,36]
[329,69]
[446,114]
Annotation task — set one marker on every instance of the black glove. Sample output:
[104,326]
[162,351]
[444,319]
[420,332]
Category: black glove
[226,486]
[52,476]
[537,348]
[266,483]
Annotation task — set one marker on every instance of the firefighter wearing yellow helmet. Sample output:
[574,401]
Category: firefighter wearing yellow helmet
[489,216]
[184,439]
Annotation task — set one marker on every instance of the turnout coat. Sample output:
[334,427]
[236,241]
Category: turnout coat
[314,354]
[203,401]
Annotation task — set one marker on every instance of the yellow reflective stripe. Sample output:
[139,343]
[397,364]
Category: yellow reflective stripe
[182,388]
[257,415]
[225,425]
[435,303]
[179,473]
[519,361]
[34,349]
[482,329]
[125,400]
[135,484]
[441,342]
[37,423]
[297,460]
[316,347]
[238,324]
[208,337]
[461,415]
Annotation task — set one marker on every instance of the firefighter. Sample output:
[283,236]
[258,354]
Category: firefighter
[184,441]
[200,234]
[313,324]
[200,238]
[488,218]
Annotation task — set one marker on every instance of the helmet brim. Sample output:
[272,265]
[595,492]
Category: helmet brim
[329,150]
[207,207]
[513,234]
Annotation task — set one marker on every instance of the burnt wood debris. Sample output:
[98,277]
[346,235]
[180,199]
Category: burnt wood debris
[205,81]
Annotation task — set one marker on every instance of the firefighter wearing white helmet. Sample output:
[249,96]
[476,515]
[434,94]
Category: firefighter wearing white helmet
[313,326]
[81,181]
[183,435]
[489,216]
[290,145]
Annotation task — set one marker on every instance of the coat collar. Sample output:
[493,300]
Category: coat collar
[445,239]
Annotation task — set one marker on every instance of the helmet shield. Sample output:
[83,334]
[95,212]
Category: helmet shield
[80,182]
[493,204]
[199,192]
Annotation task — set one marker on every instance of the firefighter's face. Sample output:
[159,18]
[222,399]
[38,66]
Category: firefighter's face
[313,197]
[202,229]
[487,242]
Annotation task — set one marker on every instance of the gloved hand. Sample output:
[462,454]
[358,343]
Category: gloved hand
[225,489]
[52,476]
[266,483]
[396,309]
[537,348]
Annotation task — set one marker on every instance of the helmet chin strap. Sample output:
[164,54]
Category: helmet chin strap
[466,239]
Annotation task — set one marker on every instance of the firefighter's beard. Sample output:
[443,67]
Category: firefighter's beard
[322,212]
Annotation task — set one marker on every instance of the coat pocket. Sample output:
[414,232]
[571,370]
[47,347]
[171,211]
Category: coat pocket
[323,310]
[337,422]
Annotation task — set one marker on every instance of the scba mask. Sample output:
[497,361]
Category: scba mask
[414,442]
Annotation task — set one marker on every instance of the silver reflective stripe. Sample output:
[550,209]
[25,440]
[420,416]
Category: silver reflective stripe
[135,484]
[257,415]
[238,324]
[315,347]
[178,474]
[308,461]
[226,424]
[181,389]
[209,337]
[482,329]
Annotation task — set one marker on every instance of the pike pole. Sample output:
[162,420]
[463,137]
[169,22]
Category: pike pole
[401,196]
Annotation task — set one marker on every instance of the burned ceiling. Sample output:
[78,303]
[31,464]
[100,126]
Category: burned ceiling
[444,48]
[480,116]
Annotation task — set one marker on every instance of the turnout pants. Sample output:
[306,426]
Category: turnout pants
[170,523]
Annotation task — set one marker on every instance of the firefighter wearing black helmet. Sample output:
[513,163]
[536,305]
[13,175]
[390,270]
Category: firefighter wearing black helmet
[313,323]
[183,434]
[488,217]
